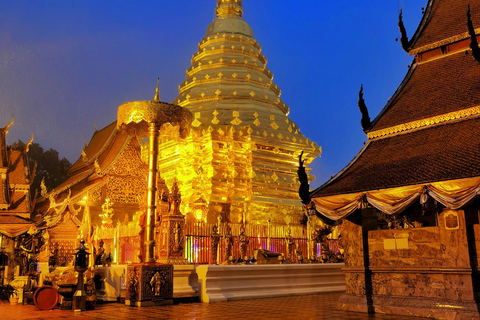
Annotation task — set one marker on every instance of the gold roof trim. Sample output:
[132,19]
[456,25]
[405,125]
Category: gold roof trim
[455,115]
[266,85]
[194,70]
[246,40]
[282,106]
[437,44]
[200,55]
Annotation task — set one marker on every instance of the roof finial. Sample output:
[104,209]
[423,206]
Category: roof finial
[404,38]
[29,143]
[226,8]
[473,37]
[8,126]
[157,95]
[363,109]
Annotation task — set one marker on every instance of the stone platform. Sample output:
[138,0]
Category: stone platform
[236,282]
[185,282]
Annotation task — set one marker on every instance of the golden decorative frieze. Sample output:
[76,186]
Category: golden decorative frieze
[451,116]
[443,42]
[138,114]
[206,43]
[281,106]
[201,55]
[201,83]
[201,67]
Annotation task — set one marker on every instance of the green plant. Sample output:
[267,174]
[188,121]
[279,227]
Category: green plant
[7,291]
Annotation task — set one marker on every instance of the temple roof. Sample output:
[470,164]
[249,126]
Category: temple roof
[428,131]
[16,170]
[10,219]
[444,22]
[431,89]
[99,141]
[438,153]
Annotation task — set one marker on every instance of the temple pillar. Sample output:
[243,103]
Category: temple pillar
[357,273]
[151,193]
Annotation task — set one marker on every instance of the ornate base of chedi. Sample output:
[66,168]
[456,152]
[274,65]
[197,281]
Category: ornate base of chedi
[149,284]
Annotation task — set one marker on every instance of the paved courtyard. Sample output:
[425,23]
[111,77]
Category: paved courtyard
[321,306]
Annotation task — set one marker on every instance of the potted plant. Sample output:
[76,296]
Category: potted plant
[7,292]
[13,297]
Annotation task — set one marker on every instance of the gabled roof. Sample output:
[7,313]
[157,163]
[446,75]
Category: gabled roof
[88,173]
[428,131]
[431,89]
[444,22]
[16,170]
[437,153]
[99,141]
[11,219]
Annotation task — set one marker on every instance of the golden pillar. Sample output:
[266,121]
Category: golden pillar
[151,194]
[144,119]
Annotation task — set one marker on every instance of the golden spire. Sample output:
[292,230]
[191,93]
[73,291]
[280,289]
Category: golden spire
[157,95]
[226,8]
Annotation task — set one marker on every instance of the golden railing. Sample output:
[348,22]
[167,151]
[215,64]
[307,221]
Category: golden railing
[198,244]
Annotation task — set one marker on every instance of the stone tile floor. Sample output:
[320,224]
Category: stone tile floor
[320,306]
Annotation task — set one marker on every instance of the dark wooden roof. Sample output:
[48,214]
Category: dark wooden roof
[433,88]
[11,219]
[445,19]
[444,90]
[99,141]
[438,153]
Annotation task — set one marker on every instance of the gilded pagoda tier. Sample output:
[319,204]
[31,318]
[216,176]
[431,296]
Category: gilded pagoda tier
[241,159]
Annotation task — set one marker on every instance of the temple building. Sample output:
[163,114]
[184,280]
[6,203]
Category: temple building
[109,173]
[237,164]
[16,201]
[407,203]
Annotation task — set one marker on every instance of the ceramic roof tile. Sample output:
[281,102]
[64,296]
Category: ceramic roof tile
[443,152]
[16,171]
[19,202]
[11,219]
[447,18]
[434,88]
[98,140]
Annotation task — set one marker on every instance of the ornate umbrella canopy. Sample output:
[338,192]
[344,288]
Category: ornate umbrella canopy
[137,115]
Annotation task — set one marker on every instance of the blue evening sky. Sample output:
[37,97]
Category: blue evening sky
[66,64]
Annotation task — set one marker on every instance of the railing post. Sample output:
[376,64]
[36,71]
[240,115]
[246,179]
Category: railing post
[268,233]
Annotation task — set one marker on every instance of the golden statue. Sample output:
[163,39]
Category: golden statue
[228,243]
[214,241]
[290,242]
[243,240]
[157,283]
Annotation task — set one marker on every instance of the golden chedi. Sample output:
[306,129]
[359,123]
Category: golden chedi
[241,159]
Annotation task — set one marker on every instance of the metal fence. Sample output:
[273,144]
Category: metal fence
[273,238]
